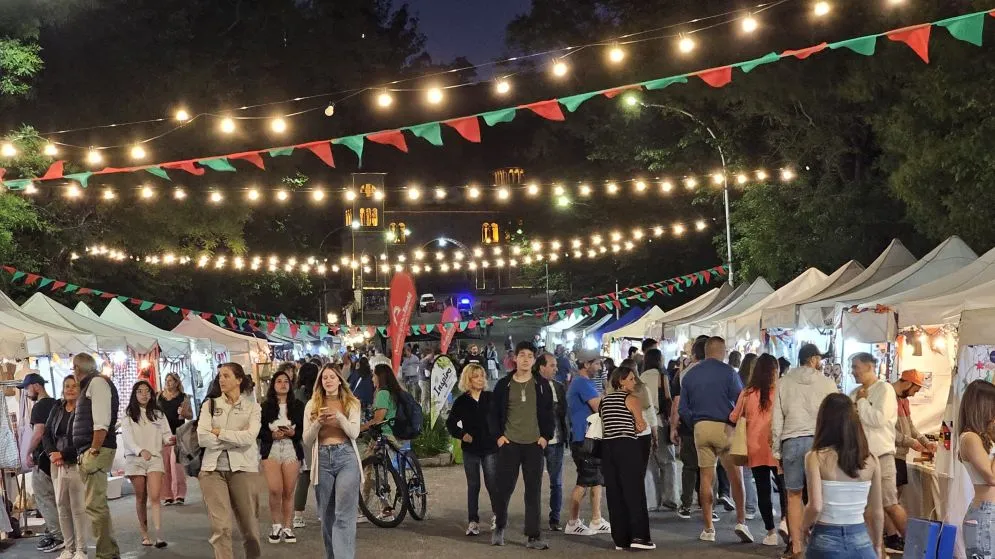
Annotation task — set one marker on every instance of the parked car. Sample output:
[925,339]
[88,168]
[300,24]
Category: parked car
[426,303]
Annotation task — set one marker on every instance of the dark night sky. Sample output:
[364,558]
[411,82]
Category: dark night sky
[470,28]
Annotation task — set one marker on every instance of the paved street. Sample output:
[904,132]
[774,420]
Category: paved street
[441,535]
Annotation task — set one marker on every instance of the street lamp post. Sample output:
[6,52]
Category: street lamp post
[725,176]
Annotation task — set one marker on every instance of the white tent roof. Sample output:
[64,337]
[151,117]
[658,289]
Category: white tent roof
[109,336]
[946,309]
[713,323]
[786,315]
[637,328]
[818,311]
[655,327]
[237,344]
[946,259]
[747,324]
[978,272]
[40,337]
[172,345]
[565,323]
[671,325]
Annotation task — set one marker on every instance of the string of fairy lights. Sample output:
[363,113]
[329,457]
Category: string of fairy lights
[563,193]
[536,251]
[434,93]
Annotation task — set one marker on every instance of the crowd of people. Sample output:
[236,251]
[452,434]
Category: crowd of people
[648,437]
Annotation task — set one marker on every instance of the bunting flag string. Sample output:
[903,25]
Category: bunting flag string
[586,306]
[967,27]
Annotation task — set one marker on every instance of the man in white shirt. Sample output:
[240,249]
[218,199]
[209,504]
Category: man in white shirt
[877,406]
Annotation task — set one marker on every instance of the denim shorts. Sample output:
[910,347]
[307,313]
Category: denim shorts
[840,542]
[977,530]
[793,461]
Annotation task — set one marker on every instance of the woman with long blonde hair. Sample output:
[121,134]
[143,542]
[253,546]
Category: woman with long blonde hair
[331,425]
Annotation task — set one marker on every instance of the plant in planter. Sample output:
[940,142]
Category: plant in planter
[432,441]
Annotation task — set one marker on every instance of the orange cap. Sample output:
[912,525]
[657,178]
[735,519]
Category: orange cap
[913,376]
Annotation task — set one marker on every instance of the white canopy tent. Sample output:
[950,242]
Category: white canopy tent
[638,328]
[746,325]
[43,337]
[671,322]
[817,312]
[785,316]
[655,328]
[876,327]
[713,323]
[244,350]
[171,345]
[15,343]
[110,337]
[950,308]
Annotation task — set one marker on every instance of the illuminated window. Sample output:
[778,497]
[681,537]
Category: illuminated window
[368,217]
[397,233]
[348,216]
[490,233]
[367,190]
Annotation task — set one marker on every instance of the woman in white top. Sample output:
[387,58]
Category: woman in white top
[844,516]
[227,429]
[145,432]
[331,425]
[977,427]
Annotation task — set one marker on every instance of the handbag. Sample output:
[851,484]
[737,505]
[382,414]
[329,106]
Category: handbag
[739,452]
[595,432]
[927,539]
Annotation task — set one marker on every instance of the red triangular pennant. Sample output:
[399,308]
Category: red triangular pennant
[58,285]
[293,330]
[323,150]
[9,269]
[187,166]
[158,307]
[615,92]
[708,276]
[253,157]
[473,324]
[84,291]
[802,54]
[390,138]
[716,77]
[137,301]
[231,321]
[549,110]
[206,315]
[916,37]
[108,295]
[54,172]
[270,326]
[468,127]
[30,279]
[185,312]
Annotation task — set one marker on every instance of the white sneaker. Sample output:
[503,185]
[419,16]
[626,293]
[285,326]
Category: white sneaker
[80,554]
[493,523]
[783,530]
[772,540]
[751,516]
[288,536]
[743,531]
[601,526]
[66,554]
[577,528]
[299,522]
[275,533]
[707,535]
[473,529]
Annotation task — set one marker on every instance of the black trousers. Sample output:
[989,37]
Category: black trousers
[722,479]
[690,475]
[646,446]
[621,463]
[529,458]
[762,476]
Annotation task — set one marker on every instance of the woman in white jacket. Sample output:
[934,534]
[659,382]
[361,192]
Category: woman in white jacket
[145,432]
[331,425]
[227,429]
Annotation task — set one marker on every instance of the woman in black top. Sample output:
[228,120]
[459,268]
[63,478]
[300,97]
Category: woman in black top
[281,430]
[621,462]
[468,422]
[175,405]
[70,491]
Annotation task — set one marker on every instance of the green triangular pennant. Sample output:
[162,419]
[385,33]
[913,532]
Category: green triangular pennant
[355,143]
[241,322]
[502,115]
[158,171]
[664,82]
[17,184]
[146,305]
[174,309]
[70,287]
[750,65]
[463,325]
[625,303]
[860,45]
[279,152]
[382,330]
[122,299]
[82,178]
[650,294]
[562,314]
[688,280]
[574,101]
[220,319]
[17,275]
[430,131]
[97,292]
[217,164]
[44,282]
[429,328]
[322,331]
[641,298]
[967,28]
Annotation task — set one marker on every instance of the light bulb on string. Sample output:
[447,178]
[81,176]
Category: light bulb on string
[504,194]
[560,68]
[473,192]
[278,125]
[73,192]
[318,195]
[749,24]
[533,189]
[612,188]
[147,193]
[631,99]
[384,99]
[558,190]
[502,86]
[741,178]
[585,190]
[700,225]
[434,95]
[216,197]
[179,194]
[821,8]
[413,193]
[181,115]
[640,186]
[227,125]
[330,109]
[686,44]
[51,150]
[690,183]
[379,195]
[252,195]
[8,150]
[761,175]
[679,229]
[616,54]
[666,186]
[440,193]
[109,194]
[787,175]
[350,195]
[138,152]
[94,157]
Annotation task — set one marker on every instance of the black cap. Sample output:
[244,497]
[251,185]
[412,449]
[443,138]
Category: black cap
[31,378]
[809,351]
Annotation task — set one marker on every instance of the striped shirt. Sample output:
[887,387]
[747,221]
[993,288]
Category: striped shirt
[616,419]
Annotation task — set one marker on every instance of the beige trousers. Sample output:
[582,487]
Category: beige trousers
[227,493]
[70,498]
[94,470]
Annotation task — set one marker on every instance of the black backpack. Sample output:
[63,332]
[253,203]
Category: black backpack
[408,419]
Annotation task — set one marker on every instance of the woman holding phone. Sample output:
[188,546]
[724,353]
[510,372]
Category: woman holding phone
[331,425]
[280,433]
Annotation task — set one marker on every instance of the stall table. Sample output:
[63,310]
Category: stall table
[923,496]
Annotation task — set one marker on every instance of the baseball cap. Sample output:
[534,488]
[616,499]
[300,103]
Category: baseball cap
[913,376]
[31,378]
[809,351]
[585,355]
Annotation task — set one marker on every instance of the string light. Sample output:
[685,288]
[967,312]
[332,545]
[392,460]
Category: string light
[147,193]
[821,9]
[440,193]
[94,157]
[51,150]
[690,183]
[434,95]
[718,178]
[413,193]
[640,186]
[379,195]
[227,125]
[612,188]
[666,186]
[473,193]
[216,197]
[761,175]
[558,190]
[384,99]
[741,178]
[585,190]
[616,54]
[252,195]
[73,192]
[678,229]
[109,194]
[8,150]
[182,116]
[533,189]
[318,195]
[138,152]
[700,225]
[563,201]
[560,68]
[179,194]
[330,110]
[750,24]
[504,194]
[282,195]
[502,87]
[686,44]
[350,195]
[787,175]
[278,125]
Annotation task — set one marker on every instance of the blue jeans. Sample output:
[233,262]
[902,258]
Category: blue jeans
[793,461]
[472,466]
[840,542]
[554,467]
[977,530]
[338,498]
[751,491]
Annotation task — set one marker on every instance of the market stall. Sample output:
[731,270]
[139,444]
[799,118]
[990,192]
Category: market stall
[624,336]
[744,330]
[713,323]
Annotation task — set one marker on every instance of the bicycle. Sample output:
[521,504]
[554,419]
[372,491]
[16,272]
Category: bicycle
[395,481]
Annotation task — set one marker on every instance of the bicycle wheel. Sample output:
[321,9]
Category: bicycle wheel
[415,482]
[383,497]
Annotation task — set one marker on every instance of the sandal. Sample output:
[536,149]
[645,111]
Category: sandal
[159,544]
[146,542]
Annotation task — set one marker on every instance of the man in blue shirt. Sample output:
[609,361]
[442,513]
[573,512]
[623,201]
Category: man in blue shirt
[708,395]
[583,399]
[562,365]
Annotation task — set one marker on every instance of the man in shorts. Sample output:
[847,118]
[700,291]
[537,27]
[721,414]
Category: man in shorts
[708,396]
[583,399]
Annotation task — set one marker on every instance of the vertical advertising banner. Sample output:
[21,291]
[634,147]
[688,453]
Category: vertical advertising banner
[450,321]
[402,303]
